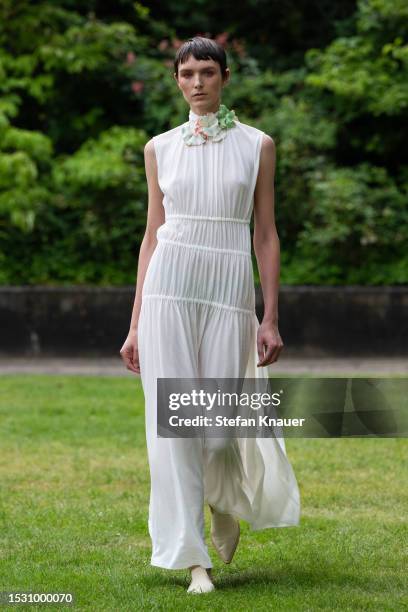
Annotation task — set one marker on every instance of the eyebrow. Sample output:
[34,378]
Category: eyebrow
[201,69]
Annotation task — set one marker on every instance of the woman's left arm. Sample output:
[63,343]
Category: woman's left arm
[267,251]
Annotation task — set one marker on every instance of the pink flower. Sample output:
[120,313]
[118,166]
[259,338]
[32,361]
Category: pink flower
[137,86]
[198,129]
[130,58]
[163,44]
[222,38]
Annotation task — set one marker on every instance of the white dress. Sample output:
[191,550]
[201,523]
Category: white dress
[198,320]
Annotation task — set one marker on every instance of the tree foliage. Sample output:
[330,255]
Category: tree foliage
[85,84]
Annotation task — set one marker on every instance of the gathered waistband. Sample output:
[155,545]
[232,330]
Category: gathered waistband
[203,247]
[177,298]
[205,218]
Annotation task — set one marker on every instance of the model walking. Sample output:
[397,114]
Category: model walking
[194,317]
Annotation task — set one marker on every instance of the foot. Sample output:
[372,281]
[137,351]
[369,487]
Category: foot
[225,534]
[200,580]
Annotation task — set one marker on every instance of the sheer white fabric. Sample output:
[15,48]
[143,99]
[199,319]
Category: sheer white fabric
[198,320]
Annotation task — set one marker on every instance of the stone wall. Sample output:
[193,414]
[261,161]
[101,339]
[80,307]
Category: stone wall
[313,321]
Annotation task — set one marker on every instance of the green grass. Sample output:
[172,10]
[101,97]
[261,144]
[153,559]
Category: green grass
[74,500]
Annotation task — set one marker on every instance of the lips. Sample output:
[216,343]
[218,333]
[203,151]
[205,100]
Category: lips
[199,95]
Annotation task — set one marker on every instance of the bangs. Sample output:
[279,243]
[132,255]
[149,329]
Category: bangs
[201,49]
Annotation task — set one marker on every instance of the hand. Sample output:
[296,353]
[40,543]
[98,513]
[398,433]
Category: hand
[130,353]
[269,344]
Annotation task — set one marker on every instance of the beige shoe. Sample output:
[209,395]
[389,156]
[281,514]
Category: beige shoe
[225,534]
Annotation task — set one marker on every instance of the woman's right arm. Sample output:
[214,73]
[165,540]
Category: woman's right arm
[155,218]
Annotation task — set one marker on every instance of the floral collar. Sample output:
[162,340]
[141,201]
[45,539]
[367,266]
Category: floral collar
[211,126]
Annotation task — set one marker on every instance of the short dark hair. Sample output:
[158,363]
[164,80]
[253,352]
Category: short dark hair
[201,48]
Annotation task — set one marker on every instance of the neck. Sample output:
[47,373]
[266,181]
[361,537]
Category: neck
[200,111]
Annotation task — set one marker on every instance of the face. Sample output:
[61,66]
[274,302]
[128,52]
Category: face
[201,77]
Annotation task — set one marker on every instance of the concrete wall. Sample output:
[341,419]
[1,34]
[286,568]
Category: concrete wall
[313,321]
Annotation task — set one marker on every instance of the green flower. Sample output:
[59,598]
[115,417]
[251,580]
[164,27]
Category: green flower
[226,117]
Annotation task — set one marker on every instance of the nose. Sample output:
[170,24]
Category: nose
[197,82]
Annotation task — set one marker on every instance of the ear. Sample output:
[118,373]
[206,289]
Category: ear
[176,79]
[226,77]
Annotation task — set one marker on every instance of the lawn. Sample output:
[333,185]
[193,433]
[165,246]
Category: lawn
[74,502]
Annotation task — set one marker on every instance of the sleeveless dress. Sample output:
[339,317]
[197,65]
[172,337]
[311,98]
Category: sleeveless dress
[198,320]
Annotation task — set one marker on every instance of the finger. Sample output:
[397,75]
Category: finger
[136,364]
[274,355]
[127,358]
[280,349]
[260,347]
[131,365]
[136,361]
[270,354]
[267,355]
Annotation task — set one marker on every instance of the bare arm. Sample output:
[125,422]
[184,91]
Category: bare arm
[267,251]
[155,218]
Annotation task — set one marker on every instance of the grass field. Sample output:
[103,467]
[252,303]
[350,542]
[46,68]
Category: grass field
[74,501]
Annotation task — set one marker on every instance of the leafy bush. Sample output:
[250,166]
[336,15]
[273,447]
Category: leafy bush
[83,89]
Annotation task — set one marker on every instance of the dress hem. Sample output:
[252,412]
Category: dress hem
[274,526]
[180,566]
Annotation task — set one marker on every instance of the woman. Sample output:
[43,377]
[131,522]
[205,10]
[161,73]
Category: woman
[194,317]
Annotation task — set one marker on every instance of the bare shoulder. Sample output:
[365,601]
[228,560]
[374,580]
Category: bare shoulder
[268,152]
[267,162]
[149,149]
[268,144]
[150,156]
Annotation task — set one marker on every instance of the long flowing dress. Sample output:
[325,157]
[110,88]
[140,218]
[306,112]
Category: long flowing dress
[198,320]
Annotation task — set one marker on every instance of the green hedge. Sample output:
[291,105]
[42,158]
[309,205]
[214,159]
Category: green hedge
[81,92]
